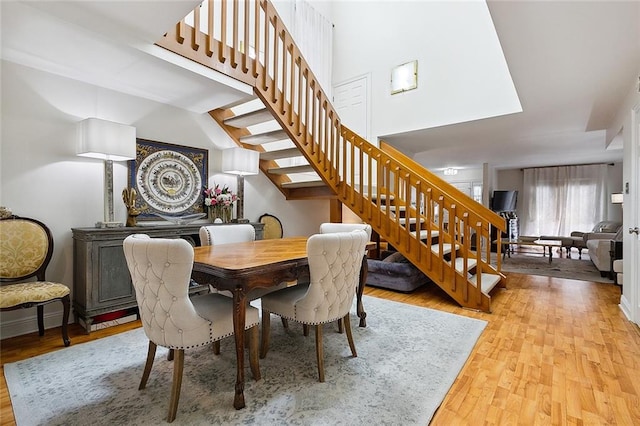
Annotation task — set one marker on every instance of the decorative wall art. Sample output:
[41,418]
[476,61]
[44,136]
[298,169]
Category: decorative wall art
[168,178]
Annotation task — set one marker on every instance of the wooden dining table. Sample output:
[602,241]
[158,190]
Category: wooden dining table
[241,267]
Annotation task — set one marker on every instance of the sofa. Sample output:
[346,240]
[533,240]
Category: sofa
[395,272]
[599,247]
[605,229]
[617,270]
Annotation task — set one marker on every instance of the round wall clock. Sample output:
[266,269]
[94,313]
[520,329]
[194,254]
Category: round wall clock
[169,181]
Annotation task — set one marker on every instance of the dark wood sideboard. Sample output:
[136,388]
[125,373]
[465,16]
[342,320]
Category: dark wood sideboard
[101,280]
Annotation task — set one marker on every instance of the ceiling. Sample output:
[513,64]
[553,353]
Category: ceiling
[110,44]
[572,64]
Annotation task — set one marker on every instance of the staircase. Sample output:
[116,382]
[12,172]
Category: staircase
[308,154]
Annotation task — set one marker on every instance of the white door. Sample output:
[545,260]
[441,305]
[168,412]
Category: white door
[632,223]
[350,99]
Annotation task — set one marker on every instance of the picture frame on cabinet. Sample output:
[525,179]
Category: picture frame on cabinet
[168,179]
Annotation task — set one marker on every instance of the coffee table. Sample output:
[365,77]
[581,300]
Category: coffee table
[506,243]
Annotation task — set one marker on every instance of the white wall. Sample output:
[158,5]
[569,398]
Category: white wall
[41,177]
[454,84]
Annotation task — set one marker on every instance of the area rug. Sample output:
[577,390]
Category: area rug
[575,269]
[408,358]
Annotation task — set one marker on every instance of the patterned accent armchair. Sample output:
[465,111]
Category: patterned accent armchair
[26,247]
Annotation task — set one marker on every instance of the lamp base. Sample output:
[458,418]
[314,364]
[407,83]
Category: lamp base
[109,224]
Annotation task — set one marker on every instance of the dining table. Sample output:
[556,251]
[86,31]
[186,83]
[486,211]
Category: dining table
[242,267]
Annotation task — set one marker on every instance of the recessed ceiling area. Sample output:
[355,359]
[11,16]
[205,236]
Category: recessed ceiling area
[572,64]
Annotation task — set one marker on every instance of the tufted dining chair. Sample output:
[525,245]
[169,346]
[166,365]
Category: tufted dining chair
[331,227]
[227,234]
[334,267]
[26,247]
[160,271]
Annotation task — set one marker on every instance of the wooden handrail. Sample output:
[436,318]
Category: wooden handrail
[251,43]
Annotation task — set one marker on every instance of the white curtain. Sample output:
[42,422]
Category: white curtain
[313,34]
[559,200]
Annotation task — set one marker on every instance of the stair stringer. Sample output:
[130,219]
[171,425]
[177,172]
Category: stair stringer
[288,88]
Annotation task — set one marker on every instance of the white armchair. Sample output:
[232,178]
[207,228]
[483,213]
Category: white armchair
[160,271]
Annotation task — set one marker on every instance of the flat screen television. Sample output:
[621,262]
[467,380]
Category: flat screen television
[504,201]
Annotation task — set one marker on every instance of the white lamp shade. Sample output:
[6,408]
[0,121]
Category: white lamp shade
[106,140]
[617,198]
[240,161]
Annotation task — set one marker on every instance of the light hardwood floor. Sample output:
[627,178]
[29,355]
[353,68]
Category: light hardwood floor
[554,351]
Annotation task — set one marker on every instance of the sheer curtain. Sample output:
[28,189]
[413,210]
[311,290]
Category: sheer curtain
[313,34]
[559,200]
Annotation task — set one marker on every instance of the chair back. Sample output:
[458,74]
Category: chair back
[226,234]
[328,228]
[26,247]
[335,260]
[272,227]
[160,271]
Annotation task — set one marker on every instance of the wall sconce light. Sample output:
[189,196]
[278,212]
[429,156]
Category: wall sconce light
[617,198]
[241,162]
[404,77]
[110,142]
[450,171]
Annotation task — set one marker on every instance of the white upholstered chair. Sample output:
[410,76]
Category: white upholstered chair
[331,227]
[226,234]
[160,271]
[236,233]
[26,247]
[328,228]
[334,266]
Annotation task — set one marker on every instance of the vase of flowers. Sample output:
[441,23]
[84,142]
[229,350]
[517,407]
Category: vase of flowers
[219,202]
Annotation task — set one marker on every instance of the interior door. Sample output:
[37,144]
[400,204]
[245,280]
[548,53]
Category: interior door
[632,223]
[350,99]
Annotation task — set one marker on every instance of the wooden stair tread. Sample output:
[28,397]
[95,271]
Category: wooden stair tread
[259,139]
[459,264]
[424,234]
[412,221]
[304,184]
[249,119]
[305,168]
[489,281]
[280,154]
[446,248]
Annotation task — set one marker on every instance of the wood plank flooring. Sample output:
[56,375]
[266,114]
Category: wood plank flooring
[555,351]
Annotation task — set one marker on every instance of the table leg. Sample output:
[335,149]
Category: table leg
[550,253]
[363,280]
[239,316]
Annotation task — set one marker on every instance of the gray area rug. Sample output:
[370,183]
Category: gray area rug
[408,358]
[536,264]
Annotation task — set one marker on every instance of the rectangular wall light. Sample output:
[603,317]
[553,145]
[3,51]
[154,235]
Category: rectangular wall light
[404,77]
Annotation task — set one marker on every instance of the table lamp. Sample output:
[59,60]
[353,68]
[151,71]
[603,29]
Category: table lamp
[241,162]
[110,142]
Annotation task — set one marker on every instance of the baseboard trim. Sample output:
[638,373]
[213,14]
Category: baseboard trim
[625,307]
[29,324]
